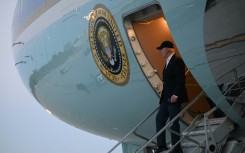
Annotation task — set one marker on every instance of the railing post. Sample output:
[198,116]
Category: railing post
[237,80]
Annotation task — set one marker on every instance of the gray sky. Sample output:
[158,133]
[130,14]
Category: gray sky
[25,127]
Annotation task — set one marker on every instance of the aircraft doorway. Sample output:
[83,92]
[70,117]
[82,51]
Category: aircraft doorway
[146,29]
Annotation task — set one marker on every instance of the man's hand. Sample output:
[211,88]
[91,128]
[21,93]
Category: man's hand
[174,99]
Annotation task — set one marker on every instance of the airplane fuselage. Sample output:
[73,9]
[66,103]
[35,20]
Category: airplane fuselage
[81,59]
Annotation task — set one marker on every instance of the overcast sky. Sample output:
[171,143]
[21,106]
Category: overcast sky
[25,126]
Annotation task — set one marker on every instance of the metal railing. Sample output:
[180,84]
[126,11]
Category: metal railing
[235,83]
[234,89]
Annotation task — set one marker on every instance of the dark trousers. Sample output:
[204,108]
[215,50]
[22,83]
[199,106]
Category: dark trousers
[168,110]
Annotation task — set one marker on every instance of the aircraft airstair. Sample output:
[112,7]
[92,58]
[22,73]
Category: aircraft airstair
[207,134]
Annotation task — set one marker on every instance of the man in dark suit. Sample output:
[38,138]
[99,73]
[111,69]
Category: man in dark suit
[173,94]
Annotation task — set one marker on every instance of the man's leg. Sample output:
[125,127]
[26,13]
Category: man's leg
[161,119]
[174,110]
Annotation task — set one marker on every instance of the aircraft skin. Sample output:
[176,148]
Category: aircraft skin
[77,58]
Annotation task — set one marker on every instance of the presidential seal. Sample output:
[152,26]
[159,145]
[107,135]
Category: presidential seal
[107,46]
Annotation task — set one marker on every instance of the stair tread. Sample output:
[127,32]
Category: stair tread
[188,144]
[202,132]
[215,121]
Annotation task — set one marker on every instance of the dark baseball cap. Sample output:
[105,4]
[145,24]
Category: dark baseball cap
[166,44]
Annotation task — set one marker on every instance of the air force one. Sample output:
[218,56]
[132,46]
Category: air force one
[94,65]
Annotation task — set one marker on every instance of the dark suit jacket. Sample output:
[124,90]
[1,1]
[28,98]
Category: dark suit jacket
[174,81]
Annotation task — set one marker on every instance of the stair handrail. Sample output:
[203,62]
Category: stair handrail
[233,70]
[237,80]
[133,130]
[230,70]
[171,122]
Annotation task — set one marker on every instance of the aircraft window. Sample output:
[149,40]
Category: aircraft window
[27,11]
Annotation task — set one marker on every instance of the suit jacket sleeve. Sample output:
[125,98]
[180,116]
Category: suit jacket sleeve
[179,71]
